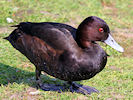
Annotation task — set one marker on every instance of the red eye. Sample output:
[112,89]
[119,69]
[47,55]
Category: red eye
[101,30]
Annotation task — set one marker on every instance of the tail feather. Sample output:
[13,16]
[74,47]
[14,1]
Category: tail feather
[24,26]
[15,26]
[6,38]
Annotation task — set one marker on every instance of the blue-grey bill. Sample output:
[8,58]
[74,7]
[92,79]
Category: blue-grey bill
[111,42]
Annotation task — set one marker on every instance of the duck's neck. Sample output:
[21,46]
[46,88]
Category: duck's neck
[82,38]
[82,42]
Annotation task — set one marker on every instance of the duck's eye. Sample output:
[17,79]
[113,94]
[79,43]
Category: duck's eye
[101,30]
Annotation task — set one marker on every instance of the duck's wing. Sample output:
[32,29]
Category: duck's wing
[55,36]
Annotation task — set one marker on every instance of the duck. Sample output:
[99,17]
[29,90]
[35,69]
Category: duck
[64,52]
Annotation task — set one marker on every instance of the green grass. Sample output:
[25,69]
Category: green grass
[17,74]
[117,13]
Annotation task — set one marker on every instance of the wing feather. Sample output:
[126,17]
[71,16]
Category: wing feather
[57,37]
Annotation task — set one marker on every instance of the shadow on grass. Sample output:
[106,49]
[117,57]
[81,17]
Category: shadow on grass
[9,74]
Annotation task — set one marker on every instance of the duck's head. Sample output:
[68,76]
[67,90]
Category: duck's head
[95,29]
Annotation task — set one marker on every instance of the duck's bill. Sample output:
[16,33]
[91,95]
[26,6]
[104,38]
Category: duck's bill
[111,42]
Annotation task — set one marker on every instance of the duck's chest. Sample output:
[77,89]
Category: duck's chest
[81,67]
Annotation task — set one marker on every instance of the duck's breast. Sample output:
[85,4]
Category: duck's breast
[81,66]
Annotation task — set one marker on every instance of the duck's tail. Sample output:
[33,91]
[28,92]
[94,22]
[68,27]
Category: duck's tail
[18,31]
[24,26]
[15,26]
[6,38]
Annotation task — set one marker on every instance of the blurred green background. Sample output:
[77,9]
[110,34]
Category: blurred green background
[118,13]
[17,77]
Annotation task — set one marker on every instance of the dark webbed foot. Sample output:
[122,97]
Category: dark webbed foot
[53,87]
[82,89]
[73,87]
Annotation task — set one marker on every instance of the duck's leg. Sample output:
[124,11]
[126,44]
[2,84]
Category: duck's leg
[46,86]
[81,88]
[38,79]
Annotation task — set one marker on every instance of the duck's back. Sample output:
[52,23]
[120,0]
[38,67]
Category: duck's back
[43,42]
[56,35]
[31,28]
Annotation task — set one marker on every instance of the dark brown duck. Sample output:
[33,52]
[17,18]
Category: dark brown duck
[65,52]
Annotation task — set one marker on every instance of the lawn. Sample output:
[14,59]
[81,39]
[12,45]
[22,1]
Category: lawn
[17,74]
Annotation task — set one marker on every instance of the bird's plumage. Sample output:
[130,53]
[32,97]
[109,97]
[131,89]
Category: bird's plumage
[62,51]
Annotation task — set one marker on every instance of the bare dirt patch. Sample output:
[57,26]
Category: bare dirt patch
[74,22]
[109,8]
[125,39]
[114,68]
[24,94]
[5,30]
[26,64]
[117,96]
[81,98]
